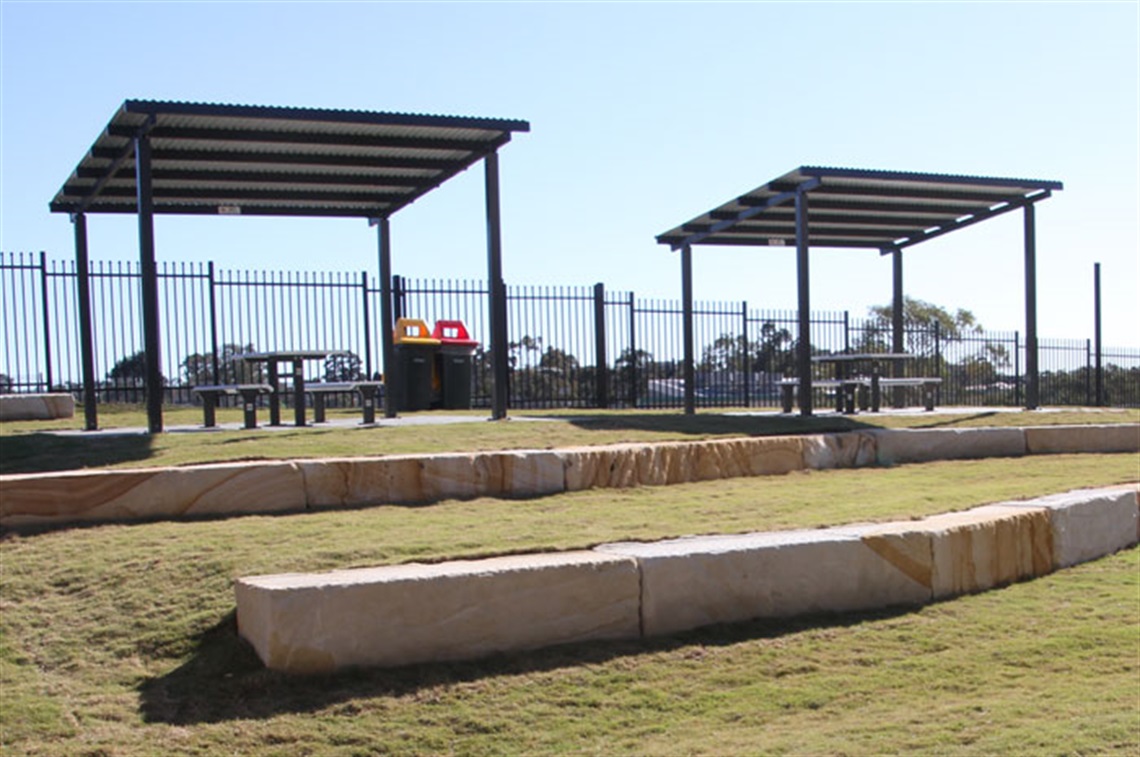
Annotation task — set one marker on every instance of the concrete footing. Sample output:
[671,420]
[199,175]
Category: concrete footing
[414,613]
[237,488]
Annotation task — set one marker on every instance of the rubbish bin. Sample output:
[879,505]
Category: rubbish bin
[416,352]
[456,356]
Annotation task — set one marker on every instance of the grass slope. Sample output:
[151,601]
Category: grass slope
[120,640]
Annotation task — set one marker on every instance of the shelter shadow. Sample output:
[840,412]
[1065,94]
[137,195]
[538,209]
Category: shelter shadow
[224,679]
[717,424]
[45,452]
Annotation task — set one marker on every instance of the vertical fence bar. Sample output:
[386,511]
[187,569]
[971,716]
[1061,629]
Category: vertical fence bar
[746,362]
[367,325]
[44,311]
[1096,336]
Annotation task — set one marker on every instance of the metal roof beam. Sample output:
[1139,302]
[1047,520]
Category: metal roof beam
[89,194]
[741,216]
[222,177]
[174,155]
[963,223]
[202,134]
[370,211]
[223,194]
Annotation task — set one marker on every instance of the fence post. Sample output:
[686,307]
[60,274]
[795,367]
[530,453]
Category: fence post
[601,373]
[397,299]
[1016,369]
[213,321]
[846,330]
[938,361]
[632,350]
[1088,372]
[746,363]
[367,326]
[46,314]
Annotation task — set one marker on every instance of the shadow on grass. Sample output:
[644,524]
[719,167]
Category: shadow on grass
[710,424]
[38,453]
[224,679]
[958,420]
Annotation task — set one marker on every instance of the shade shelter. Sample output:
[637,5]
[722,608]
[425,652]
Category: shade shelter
[888,211]
[209,159]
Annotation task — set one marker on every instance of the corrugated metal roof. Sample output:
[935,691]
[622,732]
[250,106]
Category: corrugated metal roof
[211,158]
[850,207]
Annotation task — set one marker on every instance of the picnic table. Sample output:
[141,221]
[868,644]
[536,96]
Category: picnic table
[297,358]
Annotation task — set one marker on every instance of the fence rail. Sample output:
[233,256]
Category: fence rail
[569,346]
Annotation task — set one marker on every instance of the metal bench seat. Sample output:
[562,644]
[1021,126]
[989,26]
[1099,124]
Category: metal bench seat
[368,391]
[248,393]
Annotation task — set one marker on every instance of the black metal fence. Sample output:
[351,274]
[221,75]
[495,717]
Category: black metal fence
[569,346]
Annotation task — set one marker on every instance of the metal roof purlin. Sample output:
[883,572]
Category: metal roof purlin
[971,220]
[743,215]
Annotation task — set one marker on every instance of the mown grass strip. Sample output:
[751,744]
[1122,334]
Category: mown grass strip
[26,447]
[116,639]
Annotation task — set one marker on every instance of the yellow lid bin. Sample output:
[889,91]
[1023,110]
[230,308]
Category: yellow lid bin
[413,331]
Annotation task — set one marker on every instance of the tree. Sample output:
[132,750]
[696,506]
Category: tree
[198,369]
[344,366]
[923,324]
[130,370]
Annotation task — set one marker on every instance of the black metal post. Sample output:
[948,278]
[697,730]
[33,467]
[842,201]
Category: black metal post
[1096,336]
[687,329]
[86,347]
[214,326]
[149,283]
[803,351]
[601,377]
[387,325]
[1032,398]
[1016,368]
[398,297]
[633,366]
[497,292]
[367,326]
[746,363]
[45,313]
[898,305]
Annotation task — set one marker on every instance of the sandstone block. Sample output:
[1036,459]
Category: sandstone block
[1103,438]
[351,482]
[849,450]
[403,614]
[697,581]
[924,445]
[235,488]
[36,407]
[988,546]
[1088,524]
[526,473]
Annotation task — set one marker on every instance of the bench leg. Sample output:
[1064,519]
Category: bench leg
[787,395]
[876,393]
[928,396]
[209,403]
[863,397]
[848,395]
[368,403]
[249,408]
[318,407]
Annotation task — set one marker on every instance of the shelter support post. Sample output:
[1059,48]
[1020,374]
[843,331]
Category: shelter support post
[387,326]
[898,306]
[687,329]
[1032,398]
[149,282]
[497,293]
[803,347]
[86,346]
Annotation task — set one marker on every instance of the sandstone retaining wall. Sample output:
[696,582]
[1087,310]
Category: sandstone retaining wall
[414,613]
[244,488]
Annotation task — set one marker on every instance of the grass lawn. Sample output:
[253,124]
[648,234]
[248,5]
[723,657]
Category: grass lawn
[25,447]
[120,639]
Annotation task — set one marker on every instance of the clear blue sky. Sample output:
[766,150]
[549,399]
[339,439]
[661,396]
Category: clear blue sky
[643,115]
